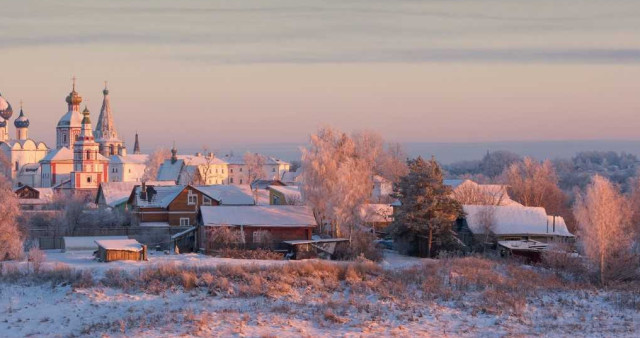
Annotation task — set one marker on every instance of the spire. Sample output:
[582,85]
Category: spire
[136,145]
[86,133]
[106,129]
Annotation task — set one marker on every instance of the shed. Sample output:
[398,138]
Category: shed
[121,250]
[85,243]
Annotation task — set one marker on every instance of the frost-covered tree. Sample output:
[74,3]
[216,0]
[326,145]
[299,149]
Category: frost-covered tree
[335,180]
[154,162]
[535,184]
[255,166]
[11,238]
[428,210]
[603,216]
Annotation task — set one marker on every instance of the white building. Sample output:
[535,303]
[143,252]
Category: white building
[20,151]
[127,168]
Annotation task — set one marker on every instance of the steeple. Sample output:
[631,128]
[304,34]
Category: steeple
[136,146]
[22,125]
[86,134]
[106,134]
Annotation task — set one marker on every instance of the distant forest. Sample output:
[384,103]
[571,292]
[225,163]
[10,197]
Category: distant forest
[574,172]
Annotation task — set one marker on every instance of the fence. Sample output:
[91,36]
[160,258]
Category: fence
[153,237]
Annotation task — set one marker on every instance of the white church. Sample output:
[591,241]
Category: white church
[83,157]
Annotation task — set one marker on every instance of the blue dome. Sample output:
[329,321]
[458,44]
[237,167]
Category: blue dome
[5,108]
[22,121]
[3,123]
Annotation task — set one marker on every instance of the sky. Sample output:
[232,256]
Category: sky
[225,73]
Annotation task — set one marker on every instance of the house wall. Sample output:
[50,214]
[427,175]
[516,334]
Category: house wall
[278,234]
[177,209]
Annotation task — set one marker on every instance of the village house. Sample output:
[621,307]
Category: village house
[30,198]
[116,194]
[178,205]
[292,177]
[261,225]
[510,223]
[127,168]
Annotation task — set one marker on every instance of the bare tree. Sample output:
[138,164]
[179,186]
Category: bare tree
[603,216]
[471,193]
[11,238]
[154,162]
[393,164]
[255,166]
[535,184]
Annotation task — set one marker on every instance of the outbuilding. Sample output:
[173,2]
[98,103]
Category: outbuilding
[120,250]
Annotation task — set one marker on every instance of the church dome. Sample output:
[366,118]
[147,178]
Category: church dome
[5,108]
[74,97]
[22,121]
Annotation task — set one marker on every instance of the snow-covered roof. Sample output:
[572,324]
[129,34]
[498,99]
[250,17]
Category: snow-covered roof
[513,220]
[228,194]
[129,159]
[164,194]
[170,171]
[261,215]
[77,243]
[119,244]
[489,194]
[239,160]
[290,192]
[376,213]
[71,119]
[116,193]
[62,154]
[290,177]
[528,245]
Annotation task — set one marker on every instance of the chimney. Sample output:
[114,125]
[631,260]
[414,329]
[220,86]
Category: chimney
[143,191]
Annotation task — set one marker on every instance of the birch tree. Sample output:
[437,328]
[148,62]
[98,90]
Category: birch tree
[11,238]
[603,217]
[335,180]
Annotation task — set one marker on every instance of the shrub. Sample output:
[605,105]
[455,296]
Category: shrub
[260,254]
[362,244]
[36,257]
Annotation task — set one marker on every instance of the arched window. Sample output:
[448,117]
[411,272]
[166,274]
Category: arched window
[111,150]
[88,155]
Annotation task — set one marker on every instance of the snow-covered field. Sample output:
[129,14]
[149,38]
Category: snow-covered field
[349,306]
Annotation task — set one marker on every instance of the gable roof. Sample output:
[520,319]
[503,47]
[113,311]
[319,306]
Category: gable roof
[228,194]
[129,159]
[170,171]
[262,215]
[164,195]
[514,220]
[115,193]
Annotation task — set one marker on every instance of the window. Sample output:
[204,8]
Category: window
[88,155]
[231,180]
[216,170]
[184,221]
[192,199]
[129,170]
[222,170]
[88,179]
[64,138]
[240,181]
[273,170]
[231,171]
[240,169]
[206,200]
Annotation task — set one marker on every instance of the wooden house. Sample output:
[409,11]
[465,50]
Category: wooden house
[120,250]
[258,224]
[178,205]
[30,198]
[510,223]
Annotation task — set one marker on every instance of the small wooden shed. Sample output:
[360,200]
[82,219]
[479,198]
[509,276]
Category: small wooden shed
[121,250]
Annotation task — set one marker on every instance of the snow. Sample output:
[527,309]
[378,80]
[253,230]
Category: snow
[48,310]
[78,243]
[514,220]
[115,193]
[164,195]
[62,154]
[120,244]
[228,194]
[523,245]
[266,215]
[131,158]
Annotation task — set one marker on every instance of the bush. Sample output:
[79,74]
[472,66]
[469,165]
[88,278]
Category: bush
[260,254]
[362,245]
[36,257]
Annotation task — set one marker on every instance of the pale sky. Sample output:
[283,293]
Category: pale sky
[252,71]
